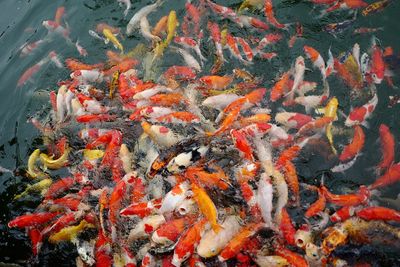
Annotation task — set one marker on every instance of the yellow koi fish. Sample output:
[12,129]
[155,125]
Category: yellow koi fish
[171,27]
[114,83]
[69,233]
[110,36]
[251,4]
[33,171]
[55,164]
[206,207]
[330,111]
[224,33]
[40,186]
[93,154]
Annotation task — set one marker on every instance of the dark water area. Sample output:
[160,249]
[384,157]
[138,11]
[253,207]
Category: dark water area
[21,22]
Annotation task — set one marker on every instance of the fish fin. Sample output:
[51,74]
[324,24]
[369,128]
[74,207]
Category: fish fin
[219,117]
[365,124]
[389,73]
[320,111]
[342,113]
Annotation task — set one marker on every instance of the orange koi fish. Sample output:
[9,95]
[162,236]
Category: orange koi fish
[316,207]
[379,213]
[239,241]
[392,175]
[388,146]
[351,150]
[347,200]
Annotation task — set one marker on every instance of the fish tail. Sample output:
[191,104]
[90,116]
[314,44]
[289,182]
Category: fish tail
[217,227]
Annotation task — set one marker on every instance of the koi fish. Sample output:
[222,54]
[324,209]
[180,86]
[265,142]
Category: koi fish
[211,243]
[144,12]
[388,147]
[317,60]
[206,207]
[352,149]
[361,114]
[27,75]
[110,36]
[269,14]
[188,242]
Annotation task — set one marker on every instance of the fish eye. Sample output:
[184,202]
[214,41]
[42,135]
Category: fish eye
[374,76]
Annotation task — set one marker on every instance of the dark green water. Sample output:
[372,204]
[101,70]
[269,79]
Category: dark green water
[20,22]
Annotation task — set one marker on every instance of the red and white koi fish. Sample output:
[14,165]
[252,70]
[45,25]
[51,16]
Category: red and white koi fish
[248,52]
[28,48]
[346,4]
[188,42]
[292,120]
[220,102]
[161,135]
[193,16]
[377,64]
[234,48]
[82,51]
[361,114]
[225,12]
[55,58]
[174,197]
[170,231]
[216,37]
[268,39]
[269,14]
[316,59]
[179,73]
[248,21]
[146,227]
[188,242]
[150,112]
[342,214]
[88,76]
[142,209]
[53,26]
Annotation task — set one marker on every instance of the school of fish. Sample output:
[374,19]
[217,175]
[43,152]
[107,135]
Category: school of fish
[189,164]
